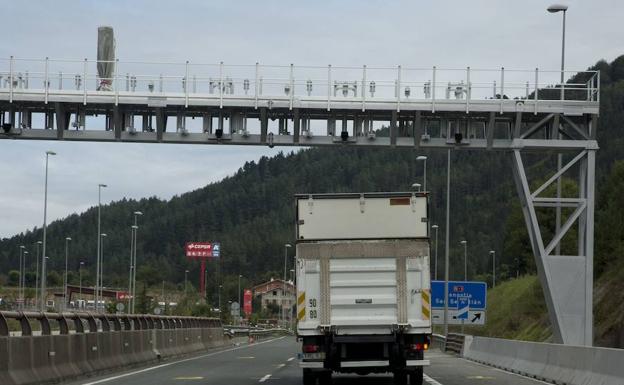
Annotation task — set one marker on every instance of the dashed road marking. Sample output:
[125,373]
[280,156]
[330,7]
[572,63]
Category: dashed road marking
[290,359]
[265,378]
[188,378]
[281,366]
[246,357]
[176,362]
[430,380]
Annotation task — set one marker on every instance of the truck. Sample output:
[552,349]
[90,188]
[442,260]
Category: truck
[363,285]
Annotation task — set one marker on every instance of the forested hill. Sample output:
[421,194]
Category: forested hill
[252,213]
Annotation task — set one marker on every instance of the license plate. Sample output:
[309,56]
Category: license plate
[314,356]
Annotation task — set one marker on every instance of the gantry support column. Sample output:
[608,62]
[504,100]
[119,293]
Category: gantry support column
[567,280]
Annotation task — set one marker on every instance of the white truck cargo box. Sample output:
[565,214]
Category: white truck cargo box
[370,287]
[361,216]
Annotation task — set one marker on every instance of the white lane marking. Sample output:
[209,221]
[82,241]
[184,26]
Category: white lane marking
[281,366]
[290,359]
[265,378]
[507,372]
[430,380]
[177,362]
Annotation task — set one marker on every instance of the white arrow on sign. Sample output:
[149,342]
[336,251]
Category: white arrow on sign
[475,317]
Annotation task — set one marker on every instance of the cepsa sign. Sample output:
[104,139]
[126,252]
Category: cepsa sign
[202,249]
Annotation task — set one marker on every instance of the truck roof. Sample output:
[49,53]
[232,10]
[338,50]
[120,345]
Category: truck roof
[365,195]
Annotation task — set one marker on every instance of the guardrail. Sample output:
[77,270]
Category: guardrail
[88,343]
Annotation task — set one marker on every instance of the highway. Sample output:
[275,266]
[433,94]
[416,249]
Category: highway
[274,362]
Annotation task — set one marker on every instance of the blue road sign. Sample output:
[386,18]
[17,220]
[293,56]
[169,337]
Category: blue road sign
[463,305]
[216,250]
[475,292]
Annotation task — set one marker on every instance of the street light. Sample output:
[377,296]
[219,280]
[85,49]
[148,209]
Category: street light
[239,293]
[435,274]
[447,236]
[101,283]
[416,186]
[220,287]
[133,269]
[554,9]
[24,279]
[45,227]
[424,160]
[493,254]
[80,278]
[21,276]
[185,280]
[37,277]
[286,247]
[99,254]
[465,243]
[67,240]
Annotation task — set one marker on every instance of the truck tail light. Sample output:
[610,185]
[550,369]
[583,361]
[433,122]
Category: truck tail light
[419,346]
[310,348]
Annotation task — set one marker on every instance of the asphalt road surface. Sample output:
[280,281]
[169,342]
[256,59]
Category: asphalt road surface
[274,362]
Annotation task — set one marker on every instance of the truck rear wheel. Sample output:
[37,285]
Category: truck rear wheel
[309,378]
[400,377]
[416,376]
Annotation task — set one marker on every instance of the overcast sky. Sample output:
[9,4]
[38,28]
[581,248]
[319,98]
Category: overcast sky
[459,33]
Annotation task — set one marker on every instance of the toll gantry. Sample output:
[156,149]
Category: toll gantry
[511,110]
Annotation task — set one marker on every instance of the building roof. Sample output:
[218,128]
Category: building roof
[271,285]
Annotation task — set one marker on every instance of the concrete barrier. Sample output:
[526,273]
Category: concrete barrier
[21,360]
[46,358]
[5,378]
[560,364]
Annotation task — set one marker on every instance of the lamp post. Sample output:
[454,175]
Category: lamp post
[446,249]
[21,276]
[37,277]
[424,160]
[493,254]
[45,227]
[239,294]
[101,283]
[67,240]
[286,247]
[290,304]
[555,8]
[185,280]
[435,274]
[465,243]
[24,278]
[133,258]
[99,254]
[80,279]
[219,299]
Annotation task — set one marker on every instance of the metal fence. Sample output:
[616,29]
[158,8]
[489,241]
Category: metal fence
[219,81]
